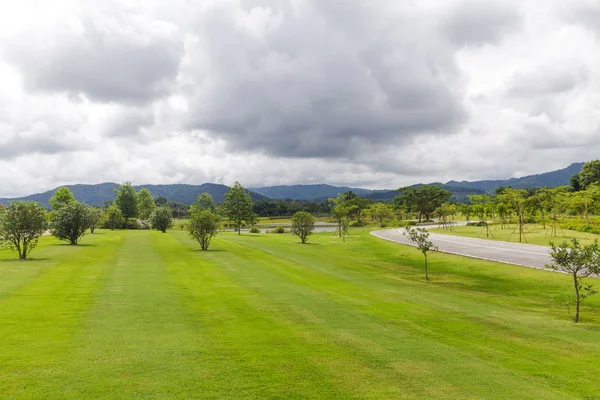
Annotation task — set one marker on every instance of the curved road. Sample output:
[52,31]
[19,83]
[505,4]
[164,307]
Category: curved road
[526,255]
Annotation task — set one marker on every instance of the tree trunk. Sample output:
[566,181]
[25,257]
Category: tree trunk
[577,298]
[426,272]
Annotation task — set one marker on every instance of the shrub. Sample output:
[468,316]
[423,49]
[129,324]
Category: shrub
[279,229]
[358,224]
[254,230]
[161,219]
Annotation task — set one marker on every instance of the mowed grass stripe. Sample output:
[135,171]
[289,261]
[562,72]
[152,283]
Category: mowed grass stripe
[253,353]
[428,319]
[41,315]
[138,342]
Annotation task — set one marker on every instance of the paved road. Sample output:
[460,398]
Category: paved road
[526,255]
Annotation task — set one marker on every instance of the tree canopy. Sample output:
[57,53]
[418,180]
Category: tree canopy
[127,200]
[70,222]
[422,199]
[62,197]
[238,207]
[146,204]
[22,223]
[303,225]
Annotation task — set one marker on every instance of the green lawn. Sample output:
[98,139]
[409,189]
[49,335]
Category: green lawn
[533,234]
[142,314]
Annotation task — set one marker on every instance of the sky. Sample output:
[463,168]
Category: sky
[364,93]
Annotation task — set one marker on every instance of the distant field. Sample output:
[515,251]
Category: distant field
[139,314]
[534,234]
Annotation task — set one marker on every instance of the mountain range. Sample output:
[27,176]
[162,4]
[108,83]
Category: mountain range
[184,193]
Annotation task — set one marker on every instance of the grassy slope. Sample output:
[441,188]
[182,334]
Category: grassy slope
[146,315]
[534,234]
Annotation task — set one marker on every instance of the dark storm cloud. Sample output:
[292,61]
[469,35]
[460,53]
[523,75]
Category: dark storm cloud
[476,22]
[104,65]
[322,79]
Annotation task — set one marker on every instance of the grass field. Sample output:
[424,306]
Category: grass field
[142,314]
[534,234]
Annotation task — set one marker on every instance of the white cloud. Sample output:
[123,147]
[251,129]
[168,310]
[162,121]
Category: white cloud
[363,93]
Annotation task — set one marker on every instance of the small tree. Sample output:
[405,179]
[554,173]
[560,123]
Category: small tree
[204,201]
[381,212]
[62,197]
[161,219]
[113,217]
[94,218]
[579,262]
[303,225]
[420,237]
[70,222]
[22,223]
[238,207]
[146,204]
[127,200]
[203,225]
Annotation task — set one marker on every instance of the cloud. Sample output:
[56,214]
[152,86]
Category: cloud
[100,59]
[474,22]
[319,79]
[361,93]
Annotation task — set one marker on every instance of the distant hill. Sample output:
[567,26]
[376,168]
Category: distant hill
[96,194]
[549,179]
[306,192]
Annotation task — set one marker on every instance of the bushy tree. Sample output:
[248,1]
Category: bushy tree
[381,212]
[113,218]
[204,201]
[22,223]
[62,197]
[580,262]
[238,207]
[146,204]
[70,222]
[127,200]
[95,218]
[161,219]
[590,174]
[303,225]
[422,199]
[420,237]
[340,209]
[203,226]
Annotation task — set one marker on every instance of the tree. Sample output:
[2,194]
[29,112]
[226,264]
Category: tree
[340,209]
[95,218]
[303,224]
[127,201]
[420,237]
[381,212]
[114,217]
[70,222]
[423,199]
[575,183]
[161,201]
[579,262]
[590,173]
[161,220]
[62,197]
[238,207]
[146,204]
[203,226]
[22,223]
[355,204]
[517,201]
[204,201]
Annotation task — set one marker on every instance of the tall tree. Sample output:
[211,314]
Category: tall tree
[423,199]
[146,204]
[204,201]
[579,262]
[70,222]
[62,197]
[517,201]
[238,207]
[127,201]
[303,224]
[22,223]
